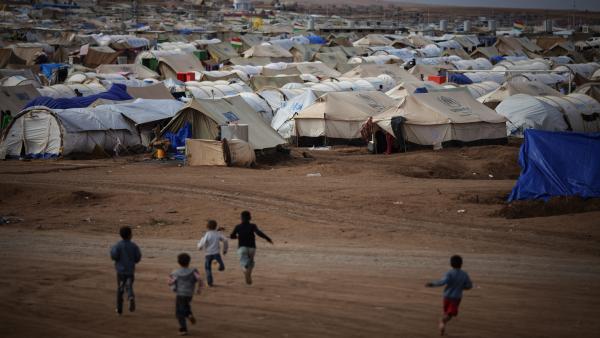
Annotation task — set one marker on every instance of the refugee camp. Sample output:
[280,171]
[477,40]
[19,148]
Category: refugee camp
[275,168]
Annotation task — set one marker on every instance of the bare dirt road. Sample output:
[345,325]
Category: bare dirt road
[353,248]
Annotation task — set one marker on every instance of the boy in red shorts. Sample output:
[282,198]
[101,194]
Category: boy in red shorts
[455,280]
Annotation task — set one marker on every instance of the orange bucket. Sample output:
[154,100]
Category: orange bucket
[160,154]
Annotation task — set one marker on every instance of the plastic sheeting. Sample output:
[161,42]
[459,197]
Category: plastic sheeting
[283,120]
[116,93]
[558,164]
[527,112]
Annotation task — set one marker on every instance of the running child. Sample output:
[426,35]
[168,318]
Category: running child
[455,280]
[244,232]
[183,282]
[126,255]
[211,243]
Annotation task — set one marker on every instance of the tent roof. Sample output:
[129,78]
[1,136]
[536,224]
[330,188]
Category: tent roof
[272,51]
[138,70]
[373,70]
[442,107]
[181,63]
[347,106]
[234,109]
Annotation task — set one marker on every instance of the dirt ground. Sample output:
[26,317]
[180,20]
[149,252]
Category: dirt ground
[353,247]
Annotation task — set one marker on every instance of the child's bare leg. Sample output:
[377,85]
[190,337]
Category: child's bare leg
[445,319]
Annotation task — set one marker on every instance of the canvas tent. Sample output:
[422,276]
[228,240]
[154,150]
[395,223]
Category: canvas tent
[261,82]
[274,52]
[137,70]
[514,87]
[14,99]
[283,121]
[442,116]
[340,114]
[206,115]
[41,132]
[97,56]
[575,112]
[170,65]
[222,52]
[372,70]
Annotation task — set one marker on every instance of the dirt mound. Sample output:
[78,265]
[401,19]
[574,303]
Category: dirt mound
[489,198]
[555,206]
[478,163]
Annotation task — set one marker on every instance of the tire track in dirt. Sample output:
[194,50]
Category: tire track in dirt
[351,219]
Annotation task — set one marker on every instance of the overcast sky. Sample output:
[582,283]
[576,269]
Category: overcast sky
[553,4]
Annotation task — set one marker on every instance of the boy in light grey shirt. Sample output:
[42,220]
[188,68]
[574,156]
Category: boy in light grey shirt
[183,282]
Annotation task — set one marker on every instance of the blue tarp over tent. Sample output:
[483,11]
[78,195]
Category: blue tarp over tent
[317,40]
[48,68]
[459,79]
[558,164]
[117,92]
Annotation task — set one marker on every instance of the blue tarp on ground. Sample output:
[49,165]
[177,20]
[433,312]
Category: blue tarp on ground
[558,164]
[117,92]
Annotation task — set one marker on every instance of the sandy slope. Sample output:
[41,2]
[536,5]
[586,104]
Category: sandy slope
[352,248]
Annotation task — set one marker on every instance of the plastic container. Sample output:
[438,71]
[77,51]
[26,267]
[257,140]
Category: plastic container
[436,79]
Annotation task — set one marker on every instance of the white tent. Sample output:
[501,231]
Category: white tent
[574,112]
[478,90]
[441,116]
[340,114]
[526,112]
[283,121]
[41,132]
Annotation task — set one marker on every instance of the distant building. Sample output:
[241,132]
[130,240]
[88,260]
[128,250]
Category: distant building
[242,5]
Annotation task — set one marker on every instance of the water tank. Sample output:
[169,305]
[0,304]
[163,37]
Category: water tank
[311,23]
[467,26]
[242,5]
[492,25]
[235,131]
[444,25]
[548,26]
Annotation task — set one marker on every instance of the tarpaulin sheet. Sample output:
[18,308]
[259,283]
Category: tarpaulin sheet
[558,164]
[48,68]
[117,92]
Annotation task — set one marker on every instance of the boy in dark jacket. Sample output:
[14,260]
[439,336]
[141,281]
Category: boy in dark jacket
[455,280]
[244,233]
[126,255]
[183,282]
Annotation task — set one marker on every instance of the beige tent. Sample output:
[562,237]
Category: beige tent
[407,88]
[97,56]
[485,52]
[170,65]
[373,70]
[442,116]
[206,115]
[14,99]
[220,153]
[222,52]
[155,92]
[274,52]
[507,45]
[373,40]
[304,53]
[262,82]
[317,69]
[340,114]
[256,61]
[332,60]
[137,70]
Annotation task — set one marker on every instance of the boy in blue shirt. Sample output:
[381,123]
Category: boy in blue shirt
[126,255]
[455,280]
